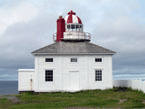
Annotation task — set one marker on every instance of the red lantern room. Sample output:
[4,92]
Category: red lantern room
[71,29]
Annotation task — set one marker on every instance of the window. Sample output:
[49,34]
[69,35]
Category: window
[77,26]
[49,60]
[48,75]
[98,75]
[68,26]
[98,59]
[72,26]
[73,59]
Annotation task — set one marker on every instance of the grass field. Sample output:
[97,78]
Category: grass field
[112,98]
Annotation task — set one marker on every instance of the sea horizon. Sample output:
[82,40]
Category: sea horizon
[115,77]
[8,87]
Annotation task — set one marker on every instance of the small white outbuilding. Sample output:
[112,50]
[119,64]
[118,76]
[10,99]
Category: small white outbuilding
[70,64]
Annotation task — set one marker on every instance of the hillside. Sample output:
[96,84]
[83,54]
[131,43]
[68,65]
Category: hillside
[112,98]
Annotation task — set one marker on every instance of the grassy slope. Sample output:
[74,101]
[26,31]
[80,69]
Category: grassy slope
[93,98]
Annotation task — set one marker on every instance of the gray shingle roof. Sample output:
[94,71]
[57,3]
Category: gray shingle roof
[73,48]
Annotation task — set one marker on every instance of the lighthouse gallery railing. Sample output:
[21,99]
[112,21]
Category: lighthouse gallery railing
[87,36]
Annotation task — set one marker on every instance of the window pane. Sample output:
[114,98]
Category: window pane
[72,26]
[73,59]
[68,26]
[77,26]
[98,75]
[98,59]
[48,72]
[49,60]
[49,75]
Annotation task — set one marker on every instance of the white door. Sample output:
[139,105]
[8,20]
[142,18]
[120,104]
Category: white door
[74,81]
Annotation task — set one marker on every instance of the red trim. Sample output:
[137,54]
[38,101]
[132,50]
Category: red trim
[71,13]
[69,19]
[79,20]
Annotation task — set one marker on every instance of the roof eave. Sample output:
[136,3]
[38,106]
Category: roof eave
[72,53]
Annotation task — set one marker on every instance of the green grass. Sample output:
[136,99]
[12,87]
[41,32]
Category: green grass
[92,98]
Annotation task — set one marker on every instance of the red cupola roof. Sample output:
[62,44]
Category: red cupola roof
[72,18]
[71,12]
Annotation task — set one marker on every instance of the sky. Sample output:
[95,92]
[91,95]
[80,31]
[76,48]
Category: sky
[27,25]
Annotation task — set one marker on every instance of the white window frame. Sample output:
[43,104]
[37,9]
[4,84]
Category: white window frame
[99,58]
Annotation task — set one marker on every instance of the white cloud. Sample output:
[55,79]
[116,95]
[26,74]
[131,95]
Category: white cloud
[12,15]
[126,35]
[4,75]
[29,25]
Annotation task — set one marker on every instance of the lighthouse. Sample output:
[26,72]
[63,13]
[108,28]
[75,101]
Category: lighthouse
[71,63]
[70,29]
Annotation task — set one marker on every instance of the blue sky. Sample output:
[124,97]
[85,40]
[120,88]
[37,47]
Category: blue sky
[119,25]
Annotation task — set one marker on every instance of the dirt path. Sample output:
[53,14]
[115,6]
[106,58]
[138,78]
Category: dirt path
[12,98]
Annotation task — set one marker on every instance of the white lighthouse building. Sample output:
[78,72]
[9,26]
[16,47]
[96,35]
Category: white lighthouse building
[70,64]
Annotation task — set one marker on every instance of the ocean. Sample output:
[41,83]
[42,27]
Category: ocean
[11,87]
[8,87]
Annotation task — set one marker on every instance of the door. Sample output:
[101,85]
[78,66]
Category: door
[74,81]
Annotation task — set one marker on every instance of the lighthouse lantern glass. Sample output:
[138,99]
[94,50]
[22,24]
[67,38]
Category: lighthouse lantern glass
[74,27]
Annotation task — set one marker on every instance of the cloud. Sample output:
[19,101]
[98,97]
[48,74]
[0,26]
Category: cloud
[119,29]
[8,73]
[28,25]
[12,15]
[8,77]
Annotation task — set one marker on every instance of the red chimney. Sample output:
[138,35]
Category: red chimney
[60,28]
